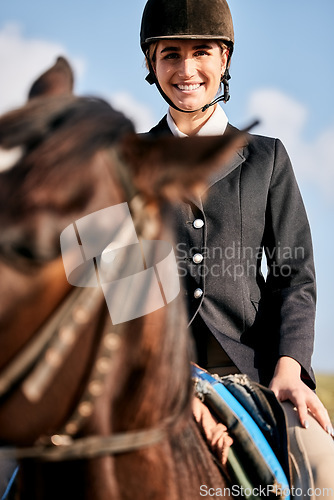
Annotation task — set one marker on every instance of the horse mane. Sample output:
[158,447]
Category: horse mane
[75,126]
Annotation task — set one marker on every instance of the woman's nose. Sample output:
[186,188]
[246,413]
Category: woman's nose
[186,68]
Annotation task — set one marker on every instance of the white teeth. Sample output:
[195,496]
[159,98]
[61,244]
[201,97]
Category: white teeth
[188,87]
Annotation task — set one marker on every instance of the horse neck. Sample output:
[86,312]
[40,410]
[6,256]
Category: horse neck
[156,367]
[157,394]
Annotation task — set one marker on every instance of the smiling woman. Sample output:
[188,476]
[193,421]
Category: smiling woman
[241,321]
[197,32]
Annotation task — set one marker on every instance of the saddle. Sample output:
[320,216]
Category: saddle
[258,459]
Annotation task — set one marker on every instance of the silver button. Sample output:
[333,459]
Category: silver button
[198,293]
[198,223]
[197,258]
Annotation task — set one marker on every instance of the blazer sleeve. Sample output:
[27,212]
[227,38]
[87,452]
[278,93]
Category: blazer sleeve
[290,285]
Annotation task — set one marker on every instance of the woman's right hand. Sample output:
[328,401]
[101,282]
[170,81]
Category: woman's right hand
[288,386]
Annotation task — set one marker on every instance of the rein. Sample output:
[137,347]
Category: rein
[63,448]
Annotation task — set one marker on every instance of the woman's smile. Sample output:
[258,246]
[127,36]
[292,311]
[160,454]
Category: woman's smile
[188,87]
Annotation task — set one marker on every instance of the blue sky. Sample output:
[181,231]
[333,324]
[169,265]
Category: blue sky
[282,73]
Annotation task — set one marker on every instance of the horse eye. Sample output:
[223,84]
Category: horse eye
[16,252]
[23,251]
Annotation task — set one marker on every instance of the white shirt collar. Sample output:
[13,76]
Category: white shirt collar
[216,124]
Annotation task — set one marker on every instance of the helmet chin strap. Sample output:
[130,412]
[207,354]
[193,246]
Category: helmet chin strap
[226,95]
[151,79]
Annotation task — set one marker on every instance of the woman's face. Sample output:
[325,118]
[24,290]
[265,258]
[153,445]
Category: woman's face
[189,71]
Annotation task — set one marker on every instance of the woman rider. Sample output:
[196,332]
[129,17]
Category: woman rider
[241,321]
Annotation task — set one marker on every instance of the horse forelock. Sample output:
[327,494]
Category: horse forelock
[37,120]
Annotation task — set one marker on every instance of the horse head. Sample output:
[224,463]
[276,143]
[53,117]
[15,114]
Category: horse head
[68,158]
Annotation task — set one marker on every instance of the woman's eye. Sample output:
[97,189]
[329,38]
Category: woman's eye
[172,55]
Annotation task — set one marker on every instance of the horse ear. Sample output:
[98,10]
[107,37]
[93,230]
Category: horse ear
[170,167]
[57,80]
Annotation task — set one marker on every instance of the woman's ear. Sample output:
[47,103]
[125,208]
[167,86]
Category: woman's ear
[154,67]
[225,57]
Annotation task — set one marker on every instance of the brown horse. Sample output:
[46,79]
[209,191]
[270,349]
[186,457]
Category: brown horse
[95,410]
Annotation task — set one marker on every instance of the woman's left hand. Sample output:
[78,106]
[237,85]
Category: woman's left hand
[287,385]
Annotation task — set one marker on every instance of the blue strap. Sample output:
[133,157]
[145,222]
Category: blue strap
[10,484]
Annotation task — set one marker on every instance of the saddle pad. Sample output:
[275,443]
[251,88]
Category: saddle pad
[250,445]
[267,412]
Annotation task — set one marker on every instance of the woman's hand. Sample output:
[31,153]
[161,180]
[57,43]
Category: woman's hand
[287,385]
[216,434]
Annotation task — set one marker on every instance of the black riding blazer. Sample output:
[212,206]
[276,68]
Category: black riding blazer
[251,206]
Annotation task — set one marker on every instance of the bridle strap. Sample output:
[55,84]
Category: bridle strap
[62,448]
[25,360]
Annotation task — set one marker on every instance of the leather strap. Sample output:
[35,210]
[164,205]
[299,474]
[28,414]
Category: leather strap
[62,447]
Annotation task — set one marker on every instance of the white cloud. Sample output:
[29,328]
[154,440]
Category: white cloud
[141,115]
[283,117]
[22,60]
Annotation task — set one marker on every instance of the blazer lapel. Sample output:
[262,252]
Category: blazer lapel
[236,161]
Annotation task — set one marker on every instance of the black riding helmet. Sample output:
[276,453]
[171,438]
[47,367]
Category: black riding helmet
[187,19]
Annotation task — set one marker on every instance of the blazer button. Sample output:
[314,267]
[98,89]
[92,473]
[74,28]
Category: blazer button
[198,258]
[198,223]
[198,293]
